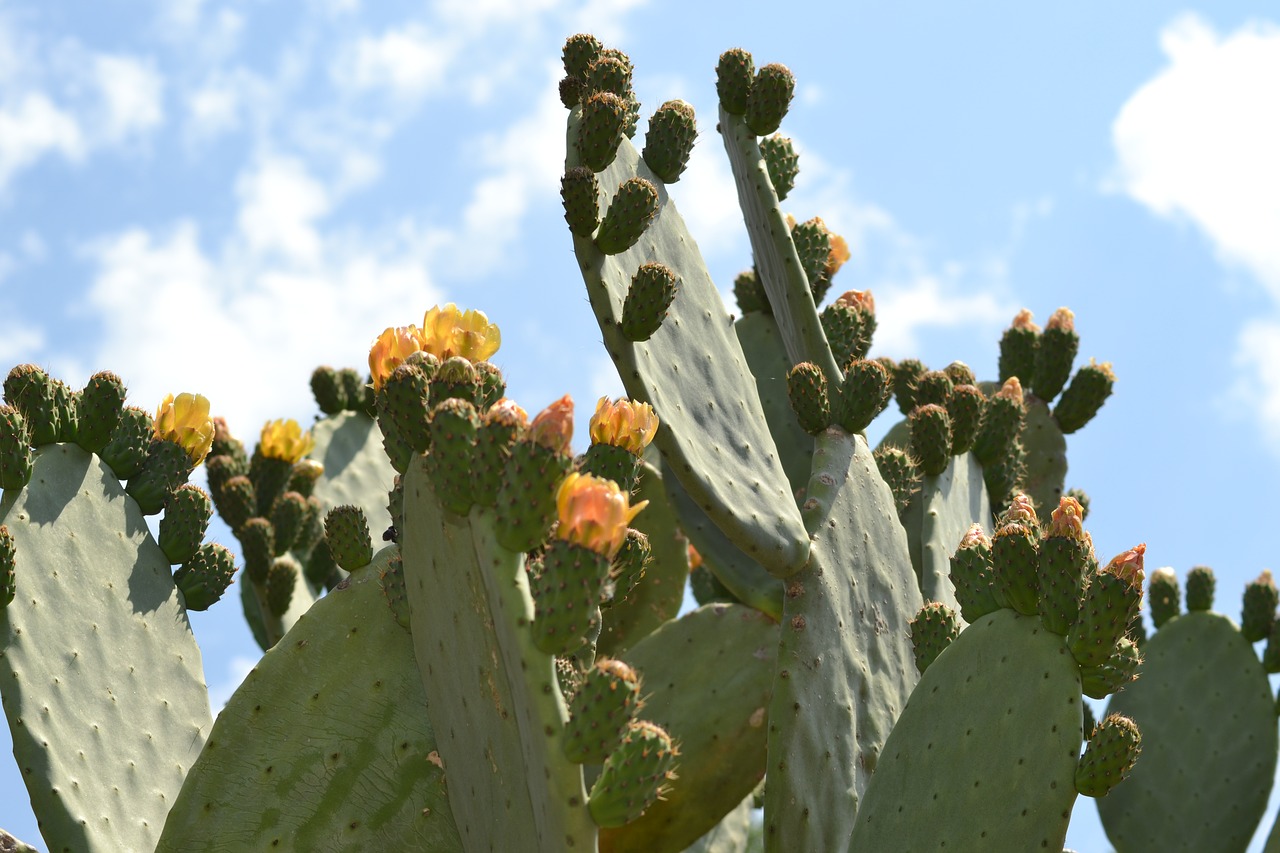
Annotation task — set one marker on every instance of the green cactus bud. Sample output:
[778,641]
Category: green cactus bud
[634,775]
[960,374]
[205,576]
[930,427]
[770,98]
[750,293]
[166,467]
[629,214]
[807,389]
[101,402]
[1200,588]
[899,470]
[526,502]
[329,390]
[933,629]
[454,426]
[282,577]
[813,246]
[734,75]
[269,475]
[848,324]
[258,544]
[186,518]
[579,52]
[609,72]
[1089,389]
[493,385]
[288,516]
[1164,596]
[571,91]
[783,163]
[1113,749]
[600,130]
[226,444]
[1055,355]
[653,289]
[1001,423]
[15,449]
[346,530]
[966,406]
[403,399]
[8,567]
[127,449]
[1099,682]
[1018,347]
[933,388]
[905,375]
[311,530]
[610,462]
[972,575]
[1082,498]
[1271,655]
[501,426]
[353,387]
[580,193]
[1015,558]
[605,702]
[1260,600]
[391,579]
[1066,562]
[628,566]
[566,596]
[863,395]
[67,402]
[669,140]
[31,391]
[236,501]
[1109,606]
[304,476]
[456,378]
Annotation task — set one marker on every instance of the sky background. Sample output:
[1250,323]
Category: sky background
[218,195]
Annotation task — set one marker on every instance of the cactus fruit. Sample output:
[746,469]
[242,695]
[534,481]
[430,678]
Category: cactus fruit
[849,323]
[602,707]
[972,575]
[930,438]
[1113,749]
[538,462]
[935,627]
[346,531]
[669,141]
[1055,354]
[15,449]
[454,428]
[1067,562]
[1018,348]
[735,73]
[769,99]
[1089,389]
[289,517]
[187,511]
[634,775]
[863,395]
[580,192]
[101,401]
[205,576]
[632,209]
[1163,596]
[1260,600]
[600,130]
[783,164]
[898,470]
[965,406]
[653,288]
[327,388]
[807,389]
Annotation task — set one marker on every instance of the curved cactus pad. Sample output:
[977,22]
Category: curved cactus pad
[984,755]
[720,650]
[101,677]
[326,745]
[694,374]
[356,468]
[1204,705]
[938,518]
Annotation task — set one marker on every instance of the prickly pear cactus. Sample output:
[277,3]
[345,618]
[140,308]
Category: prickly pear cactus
[356,470]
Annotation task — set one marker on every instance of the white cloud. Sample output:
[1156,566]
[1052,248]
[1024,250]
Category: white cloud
[214,108]
[280,202]
[906,308]
[132,94]
[33,128]
[1258,353]
[238,669]
[408,62]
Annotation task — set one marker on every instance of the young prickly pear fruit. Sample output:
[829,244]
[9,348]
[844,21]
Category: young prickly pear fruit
[750,293]
[289,514]
[783,163]
[391,580]
[1260,600]
[966,406]
[304,476]
[628,566]
[863,395]
[1015,558]
[1066,562]
[311,531]
[205,576]
[493,385]
[807,389]
[972,575]
[31,391]
[579,52]
[454,426]
[653,289]
[933,388]
[905,375]
[327,388]
[186,518]
[600,130]
[669,141]
[403,399]
[501,426]
[571,91]
[933,629]
[899,470]
[634,775]
[1055,355]
[620,431]
[1163,596]
[346,530]
[101,402]
[1109,606]
[734,75]
[258,542]
[813,246]
[67,404]
[1113,749]
[629,214]
[236,502]
[1018,348]
[456,378]
[526,501]
[580,192]
[1001,423]
[166,467]
[770,98]
[604,704]
[1099,682]
[960,374]
[8,565]
[282,577]
[1200,587]
[226,444]
[930,427]
[609,72]
[848,324]
[1089,389]
[15,449]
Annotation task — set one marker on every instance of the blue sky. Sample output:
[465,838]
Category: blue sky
[218,195]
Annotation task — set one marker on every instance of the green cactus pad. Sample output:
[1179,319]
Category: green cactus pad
[101,402]
[813,248]
[1200,587]
[600,130]
[981,763]
[166,467]
[1001,425]
[102,680]
[848,324]
[735,73]
[456,377]
[289,516]
[634,776]
[32,391]
[1018,346]
[1260,600]
[186,518]
[1015,563]
[1208,721]
[750,294]
[770,98]
[258,542]
[1099,682]
[633,207]
[566,597]
[579,52]
[346,531]
[330,737]
[653,288]
[8,567]
[766,356]
[966,405]
[948,505]
[580,192]
[205,576]
[327,388]
[15,449]
[1055,356]
[1163,596]
[1113,748]
[783,164]
[500,427]
[628,566]
[934,386]
[863,395]
[935,627]
[356,471]
[1109,605]
[526,503]
[404,396]
[669,141]
[960,374]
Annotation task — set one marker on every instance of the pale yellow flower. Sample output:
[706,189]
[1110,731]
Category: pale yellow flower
[185,421]
[857,299]
[390,349]
[1064,319]
[624,424]
[839,254]
[448,332]
[594,513]
[1023,321]
[284,439]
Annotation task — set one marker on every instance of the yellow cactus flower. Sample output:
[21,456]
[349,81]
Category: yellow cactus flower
[185,421]
[284,439]
[839,254]
[594,513]
[390,349]
[553,427]
[857,299]
[448,332]
[624,424]
[1024,322]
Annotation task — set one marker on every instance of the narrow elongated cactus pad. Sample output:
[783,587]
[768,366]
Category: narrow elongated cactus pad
[694,374]
[940,514]
[984,755]
[1046,457]
[326,745]
[356,468]
[725,651]
[845,663]
[100,675]
[767,357]
[1207,715]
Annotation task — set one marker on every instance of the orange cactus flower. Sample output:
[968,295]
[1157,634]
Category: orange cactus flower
[185,421]
[594,513]
[390,349]
[1022,509]
[448,332]
[1011,390]
[857,299]
[839,254]
[1023,320]
[1128,566]
[1063,319]
[624,424]
[284,439]
[553,427]
[1067,521]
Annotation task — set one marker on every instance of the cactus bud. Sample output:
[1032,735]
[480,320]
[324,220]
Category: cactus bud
[1099,682]
[633,207]
[580,192]
[634,775]
[609,72]
[327,388]
[1260,600]
[1018,348]
[1163,596]
[863,395]
[629,565]
[205,576]
[813,246]
[933,629]
[933,388]
[750,293]
[1109,606]
[930,427]
[653,289]
[1200,586]
[1001,424]
[167,466]
[972,575]
[734,75]
[236,501]
[600,130]
[289,514]
[807,389]
[579,52]
[282,577]
[454,426]
[770,98]
[669,141]
[960,374]
[966,406]
[604,704]
[346,530]
[15,449]
[186,518]
[1055,355]
[31,391]
[905,375]
[900,472]
[1113,749]
[101,402]
[258,542]
[1066,561]
[1089,389]
[848,324]
[303,477]
[526,500]
[1015,558]
[783,163]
